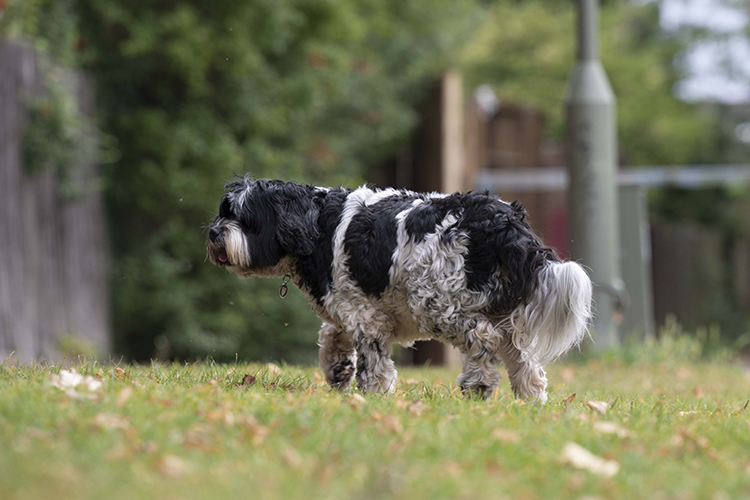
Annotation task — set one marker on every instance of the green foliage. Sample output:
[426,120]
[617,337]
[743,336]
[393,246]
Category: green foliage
[58,137]
[50,25]
[196,92]
[526,50]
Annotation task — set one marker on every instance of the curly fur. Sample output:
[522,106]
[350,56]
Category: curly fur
[385,266]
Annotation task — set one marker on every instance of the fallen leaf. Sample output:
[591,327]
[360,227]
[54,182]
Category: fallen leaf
[246,380]
[504,435]
[69,381]
[685,413]
[255,431]
[198,436]
[411,381]
[612,428]
[567,373]
[452,467]
[598,406]
[123,396]
[418,407]
[569,399]
[319,379]
[392,424]
[273,369]
[148,447]
[119,452]
[581,458]
[402,404]
[106,421]
[119,373]
[171,466]
[356,401]
[291,457]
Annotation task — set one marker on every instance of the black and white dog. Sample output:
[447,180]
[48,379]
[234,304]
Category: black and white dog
[397,266]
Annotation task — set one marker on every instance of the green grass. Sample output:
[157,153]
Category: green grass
[192,432]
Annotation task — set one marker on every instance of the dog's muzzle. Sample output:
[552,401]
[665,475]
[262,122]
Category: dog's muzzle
[216,246]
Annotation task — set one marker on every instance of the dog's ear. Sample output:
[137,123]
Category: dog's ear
[297,219]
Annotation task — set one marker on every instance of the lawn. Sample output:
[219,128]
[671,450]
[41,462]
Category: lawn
[672,427]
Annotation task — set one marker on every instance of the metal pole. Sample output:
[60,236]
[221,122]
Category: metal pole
[592,160]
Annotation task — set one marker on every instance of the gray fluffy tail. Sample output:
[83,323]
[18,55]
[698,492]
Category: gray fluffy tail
[558,314]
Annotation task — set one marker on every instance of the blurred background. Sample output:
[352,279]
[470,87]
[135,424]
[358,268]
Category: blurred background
[121,120]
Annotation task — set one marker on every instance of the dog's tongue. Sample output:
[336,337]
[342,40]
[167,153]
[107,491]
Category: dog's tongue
[222,257]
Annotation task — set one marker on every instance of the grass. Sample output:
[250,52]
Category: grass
[681,430]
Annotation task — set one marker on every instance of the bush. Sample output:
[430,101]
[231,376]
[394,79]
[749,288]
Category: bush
[196,92]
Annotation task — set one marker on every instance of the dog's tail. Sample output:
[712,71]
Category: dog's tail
[558,314]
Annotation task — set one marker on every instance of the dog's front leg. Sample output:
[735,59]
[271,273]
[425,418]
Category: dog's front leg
[338,357]
[375,369]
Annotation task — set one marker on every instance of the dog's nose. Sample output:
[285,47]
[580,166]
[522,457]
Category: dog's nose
[214,233]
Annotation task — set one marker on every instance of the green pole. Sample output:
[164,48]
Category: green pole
[592,160]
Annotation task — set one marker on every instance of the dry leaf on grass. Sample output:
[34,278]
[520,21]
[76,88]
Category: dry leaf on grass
[273,369]
[686,413]
[123,396]
[598,406]
[567,374]
[418,407]
[69,381]
[119,373]
[504,435]
[392,424]
[255,431]
[569,399]
[581,458]
[171,466]
[220,416]
[105,421]
[356,401]
[292,458]
[612,428]
[319,379]
[246,380]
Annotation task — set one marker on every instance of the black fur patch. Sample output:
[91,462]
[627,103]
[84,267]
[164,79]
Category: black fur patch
[314,270]
[370,241]
[499,239]
[424,219]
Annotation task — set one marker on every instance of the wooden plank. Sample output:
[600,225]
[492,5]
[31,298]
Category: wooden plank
[53,252]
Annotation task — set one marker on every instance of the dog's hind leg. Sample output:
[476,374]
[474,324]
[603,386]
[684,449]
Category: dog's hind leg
[375,369]
[479,375]
[527,378]
[338,357]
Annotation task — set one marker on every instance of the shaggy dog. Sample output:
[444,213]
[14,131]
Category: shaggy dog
[397,266]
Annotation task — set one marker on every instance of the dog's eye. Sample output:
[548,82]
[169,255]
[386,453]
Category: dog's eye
[225,209]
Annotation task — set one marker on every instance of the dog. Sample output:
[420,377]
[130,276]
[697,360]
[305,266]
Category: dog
[385,266]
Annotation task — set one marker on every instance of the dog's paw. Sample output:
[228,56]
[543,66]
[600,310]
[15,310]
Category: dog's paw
[342,374]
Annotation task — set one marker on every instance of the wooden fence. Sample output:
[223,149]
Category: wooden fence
[53,251]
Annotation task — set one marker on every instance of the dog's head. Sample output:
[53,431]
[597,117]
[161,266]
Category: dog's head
[260,223]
